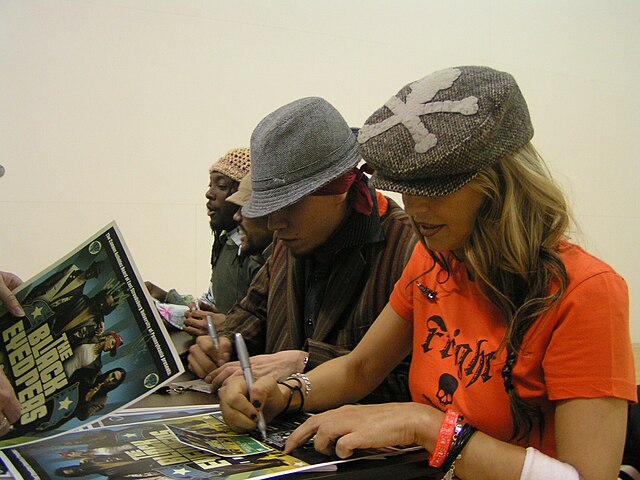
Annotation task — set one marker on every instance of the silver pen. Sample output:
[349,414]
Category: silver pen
[213,333]
[245,364]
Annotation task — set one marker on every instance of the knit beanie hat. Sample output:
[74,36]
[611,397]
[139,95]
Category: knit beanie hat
[234,164]
[436,134]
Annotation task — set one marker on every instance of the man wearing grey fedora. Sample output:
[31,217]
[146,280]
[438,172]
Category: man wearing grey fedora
[339,248]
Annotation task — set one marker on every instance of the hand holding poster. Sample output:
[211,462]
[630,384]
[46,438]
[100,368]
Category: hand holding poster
[90,341]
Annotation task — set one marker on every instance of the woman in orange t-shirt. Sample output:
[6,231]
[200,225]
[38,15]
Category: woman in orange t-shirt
[521,356]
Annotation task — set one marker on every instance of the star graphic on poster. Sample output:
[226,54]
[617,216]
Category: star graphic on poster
[65,404]
[181,471]
[36,312]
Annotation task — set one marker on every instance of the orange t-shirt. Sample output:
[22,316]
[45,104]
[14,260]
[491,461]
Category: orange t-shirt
[383,203]
[581,348]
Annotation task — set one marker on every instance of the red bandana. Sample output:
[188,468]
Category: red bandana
[353,179]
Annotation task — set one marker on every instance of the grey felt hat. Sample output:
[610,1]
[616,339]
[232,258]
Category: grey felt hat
[436,134]
[296,150]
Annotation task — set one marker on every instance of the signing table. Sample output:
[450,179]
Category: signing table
[408,466]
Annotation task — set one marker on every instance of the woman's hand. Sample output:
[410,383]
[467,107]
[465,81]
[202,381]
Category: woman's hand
[277,365]
[351,427]
[8,282]
[240,412]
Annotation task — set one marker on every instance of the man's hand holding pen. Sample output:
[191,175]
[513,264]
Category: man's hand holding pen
[195,320]
[278,365]
[204,358]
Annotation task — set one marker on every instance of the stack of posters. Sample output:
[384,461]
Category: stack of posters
[190,443]
[91,344]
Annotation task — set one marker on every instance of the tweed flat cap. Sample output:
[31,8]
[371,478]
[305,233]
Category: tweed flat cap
[436,134]
[296,150]
[234,164]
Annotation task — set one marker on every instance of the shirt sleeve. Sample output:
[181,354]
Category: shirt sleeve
[589,354]
[249,316]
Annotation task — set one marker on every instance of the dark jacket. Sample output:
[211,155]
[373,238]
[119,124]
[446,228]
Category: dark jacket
[359,285]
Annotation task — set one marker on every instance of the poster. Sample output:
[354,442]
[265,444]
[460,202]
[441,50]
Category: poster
[91,341]
[164,444]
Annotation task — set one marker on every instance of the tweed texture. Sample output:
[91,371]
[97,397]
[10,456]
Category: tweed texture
[436,134]
[296,150]
[234,164]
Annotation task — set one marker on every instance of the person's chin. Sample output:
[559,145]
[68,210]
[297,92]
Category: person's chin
[293,247]
[299,252]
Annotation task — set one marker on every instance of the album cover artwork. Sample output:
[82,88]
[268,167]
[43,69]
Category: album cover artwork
[91,341]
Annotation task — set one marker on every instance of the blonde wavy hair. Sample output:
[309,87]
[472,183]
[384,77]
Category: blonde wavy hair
[513,254]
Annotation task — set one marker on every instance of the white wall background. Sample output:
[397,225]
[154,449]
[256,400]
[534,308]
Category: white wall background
[115,109]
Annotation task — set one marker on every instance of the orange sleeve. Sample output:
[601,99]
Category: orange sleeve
[590,353]
[383,203]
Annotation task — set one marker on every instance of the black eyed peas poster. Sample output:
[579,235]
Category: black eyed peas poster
[90,343]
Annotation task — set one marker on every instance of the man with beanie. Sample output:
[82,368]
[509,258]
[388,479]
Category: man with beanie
[229,270]
[339,248]
[255,248]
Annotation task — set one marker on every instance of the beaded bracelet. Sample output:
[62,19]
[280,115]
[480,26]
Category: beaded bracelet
[445,438]
[303,380]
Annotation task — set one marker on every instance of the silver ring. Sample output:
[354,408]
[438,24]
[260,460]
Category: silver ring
[4,423]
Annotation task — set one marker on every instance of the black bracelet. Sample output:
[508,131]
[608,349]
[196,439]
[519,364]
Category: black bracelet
[292,390]
[301,407]
[456,448]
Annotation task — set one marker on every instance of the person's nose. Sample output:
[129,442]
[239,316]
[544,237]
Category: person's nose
[277,220]
[418,209]
[209,194]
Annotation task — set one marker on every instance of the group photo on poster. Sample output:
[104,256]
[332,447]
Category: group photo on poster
[186,443]
[90,341]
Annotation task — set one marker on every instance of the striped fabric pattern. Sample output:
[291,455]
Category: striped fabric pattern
[359,286]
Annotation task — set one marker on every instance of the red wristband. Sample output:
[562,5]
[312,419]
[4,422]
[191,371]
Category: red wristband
[445,437]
